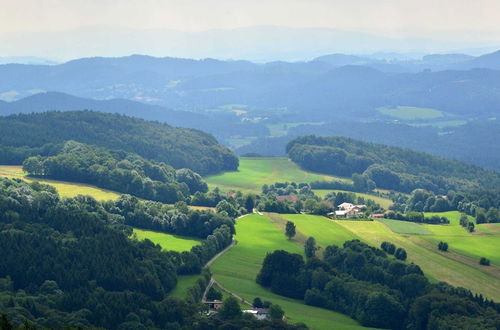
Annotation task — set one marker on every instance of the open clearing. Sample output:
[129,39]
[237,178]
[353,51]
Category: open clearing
[167,241]
[65,189]
[384,202]
[237,269]
[184,282]
[253,173]
[410,113]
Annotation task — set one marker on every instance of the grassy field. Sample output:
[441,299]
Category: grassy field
[65,189]
[411,113]
[167,241]
[237,269]
[406,227]
[450,267]
[325,231]
[253,173]
[384,202]
[485,242]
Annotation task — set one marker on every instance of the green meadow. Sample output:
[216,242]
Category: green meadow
[237,269]
[253,173]
[406,227]
[384,202]
[410,113]
[167,241]
[325,231]
[65,189]
[484,242]
[456,269]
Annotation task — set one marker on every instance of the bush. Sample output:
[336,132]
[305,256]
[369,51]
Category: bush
[388,247]
[400,254]
[484,261]
[443,246]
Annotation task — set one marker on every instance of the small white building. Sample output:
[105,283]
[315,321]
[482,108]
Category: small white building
[259,313]
[347,210]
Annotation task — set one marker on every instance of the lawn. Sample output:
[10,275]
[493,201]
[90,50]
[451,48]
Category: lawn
[167,241]
[237,269]
[384,202]
[253,173]
[443,266]
[65,189]
[410,113]
[406,227]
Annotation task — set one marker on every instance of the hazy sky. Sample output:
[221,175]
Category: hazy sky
[390,17]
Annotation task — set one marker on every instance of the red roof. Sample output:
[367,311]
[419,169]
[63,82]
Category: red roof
[291,198]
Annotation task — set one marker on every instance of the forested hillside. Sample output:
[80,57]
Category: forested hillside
[388,167]
[31,134]
[72,263]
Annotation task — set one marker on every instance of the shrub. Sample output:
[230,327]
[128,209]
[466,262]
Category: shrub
[484,261]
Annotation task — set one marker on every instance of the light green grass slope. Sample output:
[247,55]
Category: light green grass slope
[65,189]
[442,266]
[237,269]
[325,231]
[485,242]
[253,173]
[406,227]
[167,241]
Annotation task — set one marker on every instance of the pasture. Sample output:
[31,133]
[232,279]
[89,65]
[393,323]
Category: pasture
[325,231]
[65,189]
[410,113]
[382,201]
[484,242]
[450,267]
[167,241]
[406,227]
[237,269]
[253,173]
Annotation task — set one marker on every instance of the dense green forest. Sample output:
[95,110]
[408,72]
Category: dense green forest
[70,262]
[381,292]
[117,170]
[388,167]
[37,134]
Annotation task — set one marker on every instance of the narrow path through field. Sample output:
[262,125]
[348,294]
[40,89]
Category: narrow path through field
[211,261]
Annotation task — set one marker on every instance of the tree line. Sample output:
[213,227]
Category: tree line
[482,204]
[117,170]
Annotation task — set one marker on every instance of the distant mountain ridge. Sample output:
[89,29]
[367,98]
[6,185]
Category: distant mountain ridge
[330,87]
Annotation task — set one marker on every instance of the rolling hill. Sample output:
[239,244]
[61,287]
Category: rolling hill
[27,134]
